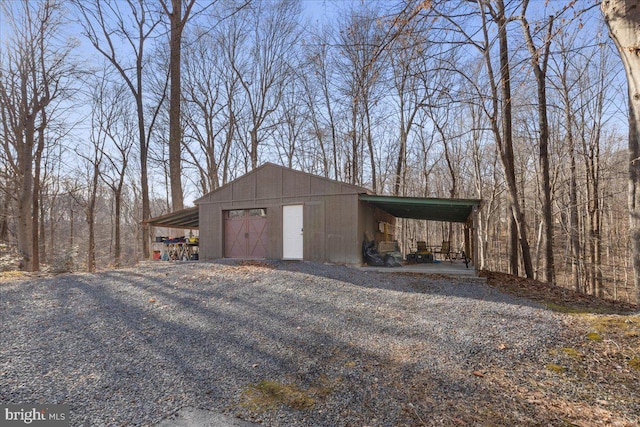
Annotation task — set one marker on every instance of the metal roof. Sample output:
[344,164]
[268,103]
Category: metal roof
[271,174]
[449,210]
[185,218]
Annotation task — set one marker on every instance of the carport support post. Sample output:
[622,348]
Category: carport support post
[472,235]
[467,243]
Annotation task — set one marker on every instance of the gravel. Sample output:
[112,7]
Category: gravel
[354,348]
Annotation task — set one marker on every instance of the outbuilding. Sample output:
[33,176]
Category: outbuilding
[280,213]
[275,212]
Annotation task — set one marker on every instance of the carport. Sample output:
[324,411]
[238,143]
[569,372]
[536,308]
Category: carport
[186,219]
[433,209]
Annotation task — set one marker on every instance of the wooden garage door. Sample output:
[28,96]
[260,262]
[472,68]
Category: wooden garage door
[245,233]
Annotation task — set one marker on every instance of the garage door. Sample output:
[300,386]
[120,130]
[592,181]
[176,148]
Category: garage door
[245,233]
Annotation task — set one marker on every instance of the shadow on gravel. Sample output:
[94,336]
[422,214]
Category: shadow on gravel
[403,282]
[130,347]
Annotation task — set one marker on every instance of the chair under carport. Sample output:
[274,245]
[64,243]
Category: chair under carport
[435,209]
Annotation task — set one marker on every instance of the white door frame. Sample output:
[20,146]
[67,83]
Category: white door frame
[293,232]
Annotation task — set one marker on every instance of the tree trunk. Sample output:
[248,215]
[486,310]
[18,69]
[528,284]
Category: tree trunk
[539,65]
[43,231]
[35,227]
[372,159]
[4,216]
[35,206]
[514,265]
[117,257]
[518,226]
[25,198]
[334,136]
[52,228]
[401,157]
[623,19]
[175,128]
[352,171]
[574,226]
[91,244]
[144,175]
[71,217]
[91,214]
[254,147]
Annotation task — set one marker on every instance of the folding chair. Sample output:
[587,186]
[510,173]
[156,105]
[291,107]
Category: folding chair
[445,250]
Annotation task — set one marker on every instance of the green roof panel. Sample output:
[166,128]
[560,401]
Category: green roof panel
[448,210]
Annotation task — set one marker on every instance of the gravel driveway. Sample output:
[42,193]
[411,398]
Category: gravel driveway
[285,344]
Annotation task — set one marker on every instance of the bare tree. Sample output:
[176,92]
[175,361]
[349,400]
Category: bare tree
[623,20]
[590,121]
[320,102]
[34,72]
[103,120]
[116,129]
[410,75]
[290,125]
[52,195]
[317,129]
[501,94]
[212,101]
[539,64]
[109,28]
[266,69]
[565,87]
[461,19]
[178,20]
[86,197]
[361,66]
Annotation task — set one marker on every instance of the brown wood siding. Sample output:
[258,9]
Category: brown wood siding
[366,227]
[322,186]
[331,220]
[269,183]
[210,224]
[314,231]
[341,228]
[274,245]
[244,189]
[295,184]
[221,195]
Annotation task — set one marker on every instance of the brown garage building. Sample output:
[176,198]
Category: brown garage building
[275,212]
[279,213]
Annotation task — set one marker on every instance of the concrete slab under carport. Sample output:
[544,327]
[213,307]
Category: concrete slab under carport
[445,268]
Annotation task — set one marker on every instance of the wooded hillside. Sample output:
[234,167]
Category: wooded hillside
[522,104]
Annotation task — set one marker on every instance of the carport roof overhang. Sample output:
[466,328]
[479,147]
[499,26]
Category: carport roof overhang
[185,218]
[448,210]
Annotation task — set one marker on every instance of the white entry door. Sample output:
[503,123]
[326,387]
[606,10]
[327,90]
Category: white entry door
[292,232]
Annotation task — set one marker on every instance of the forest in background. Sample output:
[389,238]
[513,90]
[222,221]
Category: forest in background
[522,104]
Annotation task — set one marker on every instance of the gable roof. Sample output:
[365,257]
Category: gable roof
[352,188]
[435,209]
